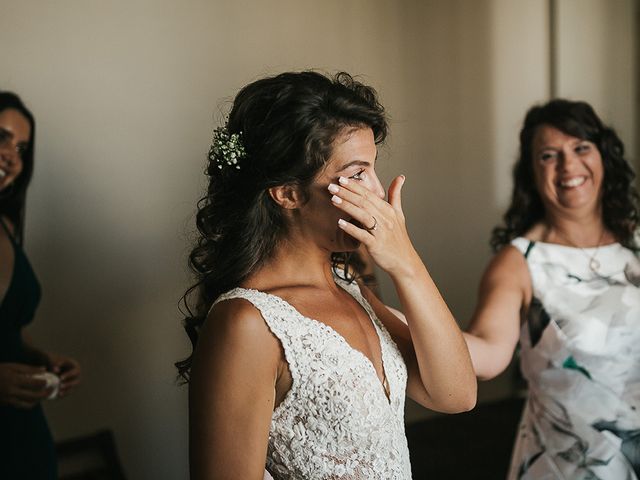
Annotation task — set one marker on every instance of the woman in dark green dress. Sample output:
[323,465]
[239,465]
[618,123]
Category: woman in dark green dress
[26,445]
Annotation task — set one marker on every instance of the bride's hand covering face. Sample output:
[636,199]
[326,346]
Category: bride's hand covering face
[377,223]
[353,157]
[363,216]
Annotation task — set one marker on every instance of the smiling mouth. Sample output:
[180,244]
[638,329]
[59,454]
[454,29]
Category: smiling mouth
[573,182]
[2,173]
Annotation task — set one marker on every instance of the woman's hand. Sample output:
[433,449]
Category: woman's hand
[379,225]
[18,387]
[67,368]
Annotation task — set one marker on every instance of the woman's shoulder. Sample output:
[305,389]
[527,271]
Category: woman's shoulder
[513,254]
[524,242]
[236,316]
[235,339]
[251,311]
[509,264]
[238,325]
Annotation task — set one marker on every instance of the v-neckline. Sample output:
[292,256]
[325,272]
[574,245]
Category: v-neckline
[340,338]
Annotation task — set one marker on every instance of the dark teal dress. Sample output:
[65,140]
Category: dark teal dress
[26,446]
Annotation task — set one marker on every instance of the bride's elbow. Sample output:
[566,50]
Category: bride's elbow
[463,402]
[452,402]
[466,404]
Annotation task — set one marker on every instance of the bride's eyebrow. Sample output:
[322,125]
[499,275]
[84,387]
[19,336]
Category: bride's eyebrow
[360,163]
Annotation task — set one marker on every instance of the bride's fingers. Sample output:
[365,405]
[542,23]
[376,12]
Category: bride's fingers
[365,217]
[395,192]
[358,194]
[359,234]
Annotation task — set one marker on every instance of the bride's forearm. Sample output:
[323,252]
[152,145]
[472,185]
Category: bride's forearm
[441,352]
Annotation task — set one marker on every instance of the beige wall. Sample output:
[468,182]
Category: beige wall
[597,60]
[125,94]
[467,86]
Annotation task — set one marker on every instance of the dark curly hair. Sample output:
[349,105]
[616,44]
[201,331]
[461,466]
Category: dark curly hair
[288,124]
[619,197]
[12,202]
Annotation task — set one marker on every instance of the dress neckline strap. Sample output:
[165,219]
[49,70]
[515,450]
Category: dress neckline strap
[12,238]
[328,329]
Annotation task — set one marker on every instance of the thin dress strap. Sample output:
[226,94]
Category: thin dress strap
[524,245]
[6,229]
[12,238]
[529,247]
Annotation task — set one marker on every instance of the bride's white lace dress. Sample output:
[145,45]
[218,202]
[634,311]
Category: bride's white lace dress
[336,422]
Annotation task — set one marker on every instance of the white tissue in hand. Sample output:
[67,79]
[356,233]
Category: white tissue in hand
[52,381]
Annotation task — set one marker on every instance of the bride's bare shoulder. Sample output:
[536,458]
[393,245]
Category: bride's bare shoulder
[236,318]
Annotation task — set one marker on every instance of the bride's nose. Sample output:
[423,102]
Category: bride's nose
[377,187]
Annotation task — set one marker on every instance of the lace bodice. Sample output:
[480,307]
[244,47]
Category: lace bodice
[336,421]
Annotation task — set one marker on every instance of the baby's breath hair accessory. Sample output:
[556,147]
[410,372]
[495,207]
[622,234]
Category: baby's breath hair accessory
[226,149]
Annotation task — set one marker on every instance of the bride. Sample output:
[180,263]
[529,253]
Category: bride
[296,366]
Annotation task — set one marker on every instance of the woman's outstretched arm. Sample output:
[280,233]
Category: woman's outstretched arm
[504,294]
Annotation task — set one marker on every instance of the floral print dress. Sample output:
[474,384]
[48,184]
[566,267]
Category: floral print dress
[580,355]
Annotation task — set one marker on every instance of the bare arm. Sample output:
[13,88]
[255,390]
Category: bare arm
[441,375]
[505,292]
[232,394]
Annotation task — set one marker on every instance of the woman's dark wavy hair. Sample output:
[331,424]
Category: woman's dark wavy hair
[13,198]
[619,197]
[288,125]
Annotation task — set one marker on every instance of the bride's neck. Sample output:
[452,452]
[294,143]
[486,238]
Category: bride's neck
[293,265]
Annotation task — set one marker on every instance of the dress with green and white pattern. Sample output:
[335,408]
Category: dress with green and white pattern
[580,355]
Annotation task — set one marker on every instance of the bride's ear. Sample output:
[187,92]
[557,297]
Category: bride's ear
[287,196]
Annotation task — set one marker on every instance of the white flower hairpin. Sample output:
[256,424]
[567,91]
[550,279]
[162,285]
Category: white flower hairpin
[226,149]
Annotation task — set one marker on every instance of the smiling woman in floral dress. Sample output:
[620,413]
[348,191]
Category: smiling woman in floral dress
[565,285]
